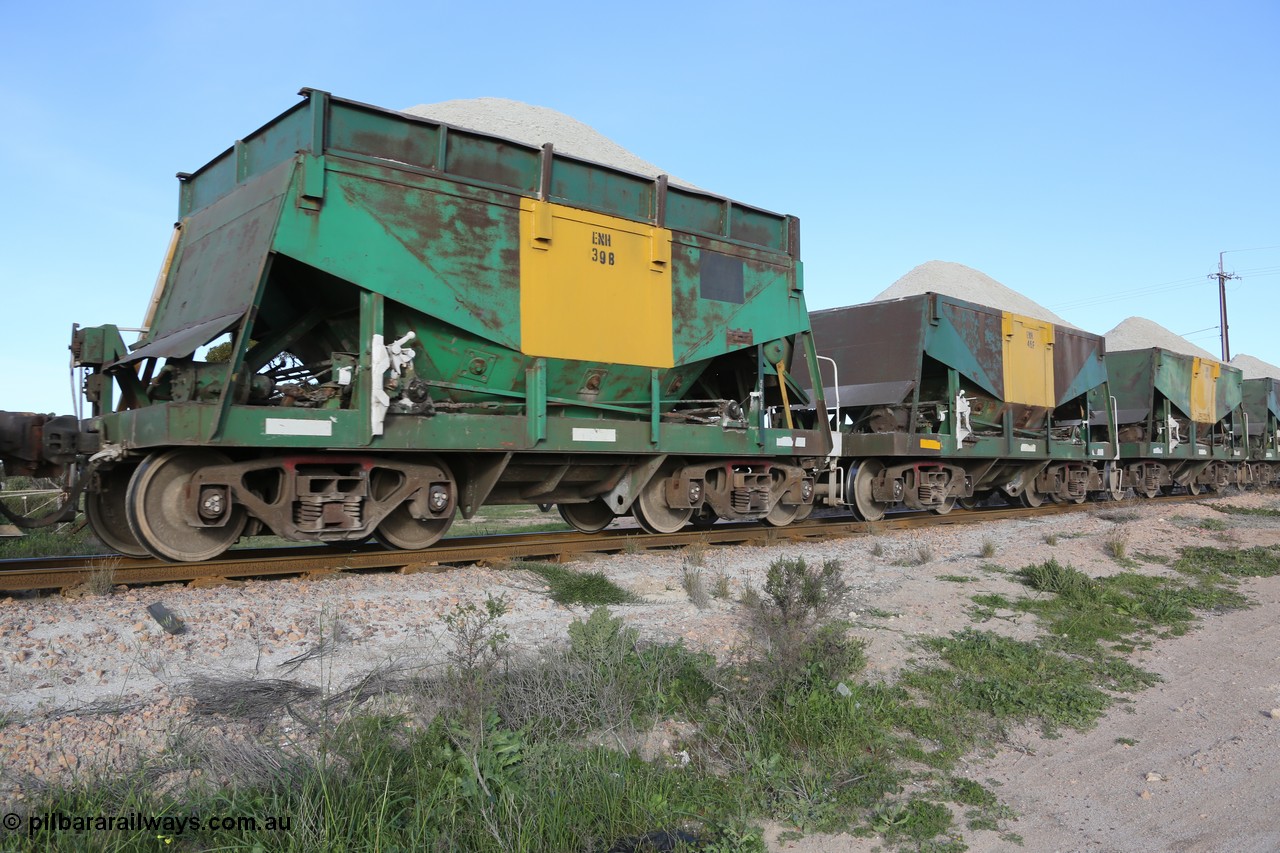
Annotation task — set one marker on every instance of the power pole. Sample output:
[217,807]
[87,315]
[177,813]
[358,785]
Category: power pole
[1222,278]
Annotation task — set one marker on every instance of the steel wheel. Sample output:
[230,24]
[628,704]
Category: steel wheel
[652,512]
[155,508]
[781,516]
[1193,488]
[105,511]
[1030,498]
[803,511]
[400,529]
[866,507]
[1112,481]
[590,517]
[945,507]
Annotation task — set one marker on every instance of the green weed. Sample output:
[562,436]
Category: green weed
[1257,562]
[1011,681]
[588,588]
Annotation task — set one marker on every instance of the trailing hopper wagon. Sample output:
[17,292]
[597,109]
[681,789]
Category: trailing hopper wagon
[936,401]
[368,323]
[1262,416]
[1181,421]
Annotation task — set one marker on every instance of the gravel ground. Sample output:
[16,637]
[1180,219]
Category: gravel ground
[91,685]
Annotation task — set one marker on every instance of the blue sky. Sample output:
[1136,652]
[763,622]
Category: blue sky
[1094,156]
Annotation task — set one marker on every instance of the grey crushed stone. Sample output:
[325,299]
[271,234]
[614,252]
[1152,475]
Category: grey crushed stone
[1141,333]
[535,125]
[966,283]
[1255,368]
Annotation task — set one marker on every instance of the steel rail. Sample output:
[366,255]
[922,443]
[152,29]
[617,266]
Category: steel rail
[66,573]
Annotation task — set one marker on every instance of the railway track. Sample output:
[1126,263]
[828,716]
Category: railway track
[66,573]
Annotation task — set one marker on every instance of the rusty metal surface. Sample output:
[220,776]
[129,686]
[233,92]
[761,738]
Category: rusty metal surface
[876,348]
[1077,363]
[1261,398]
[21,439]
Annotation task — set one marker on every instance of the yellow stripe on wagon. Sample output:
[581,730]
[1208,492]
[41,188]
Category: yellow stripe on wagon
[1028,361]
[1204,382]
[930,444]
[594,287]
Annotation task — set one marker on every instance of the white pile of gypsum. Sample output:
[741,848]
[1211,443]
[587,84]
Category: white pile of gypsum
[1255,368]
[952,279]
[534,125]
[1141,333]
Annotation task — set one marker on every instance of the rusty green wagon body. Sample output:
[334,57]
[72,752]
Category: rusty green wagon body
[938,400]
[1262,414]
[370,322]
[1181,420]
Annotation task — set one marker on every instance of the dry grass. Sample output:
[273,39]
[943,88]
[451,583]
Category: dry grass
[102,579]
[696,554]
[247,698]
[695,587]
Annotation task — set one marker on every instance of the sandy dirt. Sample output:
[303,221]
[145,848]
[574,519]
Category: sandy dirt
[92,685]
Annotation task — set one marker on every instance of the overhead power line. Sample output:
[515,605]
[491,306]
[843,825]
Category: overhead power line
[1116,296]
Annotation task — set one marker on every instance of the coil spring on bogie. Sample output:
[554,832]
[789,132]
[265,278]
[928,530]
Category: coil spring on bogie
[931,493]
[743,500]
[309,512]
[352,509]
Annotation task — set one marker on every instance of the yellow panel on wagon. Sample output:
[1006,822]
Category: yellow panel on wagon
[1028,361]
[1204,379]
[594,287]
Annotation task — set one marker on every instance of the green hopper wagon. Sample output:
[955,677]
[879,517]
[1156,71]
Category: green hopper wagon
[1181,421]
[936,400]
[1262,413]
[369,322]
